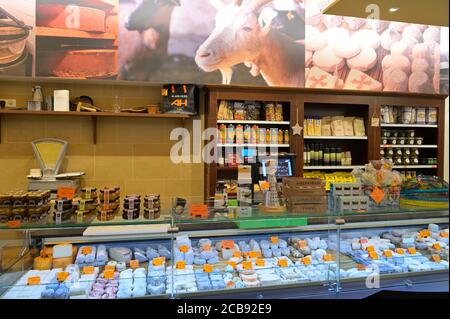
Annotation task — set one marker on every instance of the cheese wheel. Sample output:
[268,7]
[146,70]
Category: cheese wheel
[418,82]
[364,61]
[313,15]
[42,263]
[396,61]
[412,31]
[389,37]
[326,60]
[420,64]
[395,80]
[421,50]
[314,40]
[332,21]
[398,26]
[432,34]
[62,262]
[367,37]
[347,49]
[401,48]
[354,23]
[334,35]
[377,25]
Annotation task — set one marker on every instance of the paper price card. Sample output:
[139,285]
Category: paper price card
[436,258]
[360,267]
[443,234]
[412,250]
[88,270]
[437,246]
[260,262]
[237,254]
[158,261]
[247,265]
[66,192]
[181,264]
[208,268]
[232,264]
[306,261]
[370,249]
[86,250]
[108,274]
[110,268]
[227,244]
[62,276]
[34,280]
[283,263]
[274,239]
[14,224]
[387,253]
[184,248]
[373,255]
[400,251]
[134,263]
[254,254]
[327,257]
[424,233]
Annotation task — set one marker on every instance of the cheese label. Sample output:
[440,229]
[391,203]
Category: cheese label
[184,248]
[227,244]
[387,253]
[232,263]
[436,258]
[158,261]
[327,257]
[199,210]
[134,263]
[363,241]
[437,246]
[424,233]
[254,254]
[62,276]
[247,265]
[86,250]
[181,264]
[108,274]
[208,268]
[373,255]
[412,250]
[282,262]
[274,239]
[444,234]
[370,248]
[88,270]
[260,262]
[110,268]
[306,261]
[237,254]
[34,280]
[400,251]
[14,224]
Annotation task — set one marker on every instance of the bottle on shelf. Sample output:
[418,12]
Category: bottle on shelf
[116,105]
[286,136]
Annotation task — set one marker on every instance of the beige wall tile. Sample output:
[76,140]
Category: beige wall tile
[24,128]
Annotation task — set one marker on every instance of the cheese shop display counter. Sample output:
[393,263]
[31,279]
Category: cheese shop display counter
[321,255]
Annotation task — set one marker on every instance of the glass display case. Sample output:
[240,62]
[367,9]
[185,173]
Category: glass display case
[197,251]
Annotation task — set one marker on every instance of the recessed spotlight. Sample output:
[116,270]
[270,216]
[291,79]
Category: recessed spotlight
[393,9]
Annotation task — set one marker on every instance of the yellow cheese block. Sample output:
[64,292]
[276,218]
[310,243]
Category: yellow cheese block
[42,263]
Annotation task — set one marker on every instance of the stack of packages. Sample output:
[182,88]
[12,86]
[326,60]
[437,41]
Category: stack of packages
[131,207]
[38,204]
[20,205]
[87,203]
[305,195]
[109,203]
[348,197]
[152,206]
[63,210]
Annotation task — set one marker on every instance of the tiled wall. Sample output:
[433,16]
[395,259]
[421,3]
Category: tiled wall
[132,153]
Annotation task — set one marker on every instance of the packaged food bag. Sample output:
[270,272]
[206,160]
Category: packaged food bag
[180,99]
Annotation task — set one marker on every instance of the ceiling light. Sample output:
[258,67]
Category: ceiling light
[393,9]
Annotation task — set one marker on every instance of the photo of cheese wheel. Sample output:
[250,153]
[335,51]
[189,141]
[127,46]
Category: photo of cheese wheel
[364,61]
[366,37]
[314,40]
[396,61]
[347,49]
[419,82]
[326,60]
[389,37]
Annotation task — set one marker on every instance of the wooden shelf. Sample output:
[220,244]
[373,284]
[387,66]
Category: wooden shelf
[331,167]
[93,116]
[414,166]
[69,33]
[253,145]
[410,125]
[408,146]
[335,137]
[253,122]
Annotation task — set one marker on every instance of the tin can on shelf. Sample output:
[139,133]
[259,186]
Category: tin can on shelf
[392,140]
[410,141]
[419,140]
[410,133]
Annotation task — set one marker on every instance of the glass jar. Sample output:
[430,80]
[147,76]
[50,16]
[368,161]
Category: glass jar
[423,161]
[382,152]
[384,140]
[393,140]
[419,140]
[401,134]
[410,141]
[398,152]
[389,158]
[406,160]
[398,160]
[385,133]
[407,151]
[415,160]
[401,140]
[410,133]
[415,151]
[394,133]
[390,152]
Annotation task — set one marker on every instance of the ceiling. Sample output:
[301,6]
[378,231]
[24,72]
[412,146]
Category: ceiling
[431,12]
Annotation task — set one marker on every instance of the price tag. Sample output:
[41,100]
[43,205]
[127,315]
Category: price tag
[110,268]
[227,244]
[443,234]
[327,257]
[66,192]
[360,267]
[86,250]
[375,122]
[34,280]
[387,253]
[373,255]
[88,270]
[237,254]
[199,210]
[412,250]
[260,262]
[436,258]
[254,254]
[400,251]
[370,248]
[62,276]
[184,248]
[283,263]
[363,241]
[207,268]
[306,261]
[437,246]
[14,224]
[58,217]
[232,264]
[108,274]
[247,265]
[158,261]
[274,239]
[181,264]
[424,233]
[134,263]
[377,195]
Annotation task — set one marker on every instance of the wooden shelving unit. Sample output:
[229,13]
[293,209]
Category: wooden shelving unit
[93,116]
[69,33]
[335,137]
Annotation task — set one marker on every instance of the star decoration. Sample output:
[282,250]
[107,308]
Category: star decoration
[297,129]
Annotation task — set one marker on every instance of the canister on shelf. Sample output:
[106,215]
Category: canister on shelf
[419,140]
[431,115]
[286,137]
[410,133]
[254,134]
[420,115]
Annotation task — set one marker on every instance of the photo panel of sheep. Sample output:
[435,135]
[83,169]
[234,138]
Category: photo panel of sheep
[17,41]
[248,42]
[77,38]
[367,54]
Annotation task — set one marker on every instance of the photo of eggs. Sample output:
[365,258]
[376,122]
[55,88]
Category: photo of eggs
[367,54]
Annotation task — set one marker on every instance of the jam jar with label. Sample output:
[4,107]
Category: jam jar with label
[407,151]
[415,151]
[398,152]
[415,160]
[410,133]
[392,140]
[398,160]
[419,140]
[410,140]
[406,160]
[389,152]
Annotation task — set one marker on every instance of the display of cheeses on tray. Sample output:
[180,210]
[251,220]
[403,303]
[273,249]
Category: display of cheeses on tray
[333,126]
[146,269]
[24,206]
